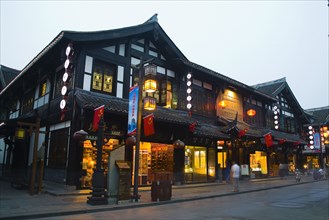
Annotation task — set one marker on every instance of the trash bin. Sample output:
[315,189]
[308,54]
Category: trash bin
[161,187]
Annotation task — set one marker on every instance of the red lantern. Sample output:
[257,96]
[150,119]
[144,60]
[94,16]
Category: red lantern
[80,135]
[178,144]
[251,112]
[131,141]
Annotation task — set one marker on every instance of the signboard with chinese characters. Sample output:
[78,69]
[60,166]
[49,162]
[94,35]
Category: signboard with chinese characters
[132,110]
[228,104]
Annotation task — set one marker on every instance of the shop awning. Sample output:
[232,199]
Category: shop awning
[210,131]
[286,137]
[91,100]
[259,132]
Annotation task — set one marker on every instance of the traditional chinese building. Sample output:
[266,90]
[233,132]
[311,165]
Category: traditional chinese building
[56,94]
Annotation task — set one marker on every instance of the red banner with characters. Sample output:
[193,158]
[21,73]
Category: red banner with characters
[268,140]
[148,125]
[98,113]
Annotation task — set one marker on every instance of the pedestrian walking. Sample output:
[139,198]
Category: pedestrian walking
[235,173]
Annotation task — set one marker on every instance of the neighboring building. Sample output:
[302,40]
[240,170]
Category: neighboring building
[228,120]
[316,153]
[7,75]
[291,120]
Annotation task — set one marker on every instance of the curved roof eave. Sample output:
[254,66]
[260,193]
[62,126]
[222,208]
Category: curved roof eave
[229,80]
[35,59]
[99,36]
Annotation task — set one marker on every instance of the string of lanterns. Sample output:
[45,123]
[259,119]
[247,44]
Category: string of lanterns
[310,136]
[189,91]
[276,117]
[68,65]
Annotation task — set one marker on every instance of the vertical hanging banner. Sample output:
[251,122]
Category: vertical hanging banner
[98,113]
[317,142]
[268,140]
[132,110]
[148,125]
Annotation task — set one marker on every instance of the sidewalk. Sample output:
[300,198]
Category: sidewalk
[57,200]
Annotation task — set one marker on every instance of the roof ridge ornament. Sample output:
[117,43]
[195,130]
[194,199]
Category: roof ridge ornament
[152,19]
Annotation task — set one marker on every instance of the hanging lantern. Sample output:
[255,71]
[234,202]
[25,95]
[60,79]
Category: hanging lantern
[150,69]
[20,133]
[222,104]
[251,112]
[80,135]
[189,91]
[149,103]
[276,117]
[178,144]
[131,141]
[310,132]
[150,85]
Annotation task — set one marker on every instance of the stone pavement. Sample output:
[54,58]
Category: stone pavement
[59,200]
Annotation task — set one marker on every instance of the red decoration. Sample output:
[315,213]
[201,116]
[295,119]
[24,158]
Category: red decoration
[148,125]
[131,141]
[281,141]
[98,113]
[296,143]
[268,140]
[242,133]
[191,127]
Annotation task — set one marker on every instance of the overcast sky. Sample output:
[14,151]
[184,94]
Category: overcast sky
[250,41]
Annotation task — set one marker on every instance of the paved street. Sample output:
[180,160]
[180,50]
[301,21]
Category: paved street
[304,202]
[58,201]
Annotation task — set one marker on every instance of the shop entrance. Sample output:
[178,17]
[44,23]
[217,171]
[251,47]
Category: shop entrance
[258,164]
[89,159]
[153,158]
[195,164]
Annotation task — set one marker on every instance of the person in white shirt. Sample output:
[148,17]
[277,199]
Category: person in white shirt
[235,173]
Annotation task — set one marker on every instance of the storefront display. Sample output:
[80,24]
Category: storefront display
[153,158]
[89,156]
[195,164]
[311,163]
[258,164]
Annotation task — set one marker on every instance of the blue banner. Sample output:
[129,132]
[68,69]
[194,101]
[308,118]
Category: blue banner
[132,110]
[317,142]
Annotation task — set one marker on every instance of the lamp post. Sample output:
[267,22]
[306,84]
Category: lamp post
[139,121]
[98,195]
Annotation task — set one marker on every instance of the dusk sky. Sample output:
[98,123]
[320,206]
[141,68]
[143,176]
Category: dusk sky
[249,41]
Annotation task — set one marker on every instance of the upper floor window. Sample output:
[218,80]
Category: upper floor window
[43,88]
[27,103]
[14,109]
[42,94]
[104,75]
[202,101]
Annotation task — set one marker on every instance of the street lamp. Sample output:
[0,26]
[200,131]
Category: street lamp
[98,195]
[149,87]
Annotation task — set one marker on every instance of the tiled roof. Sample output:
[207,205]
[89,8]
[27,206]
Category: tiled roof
[275,87]
[92,100]
[278,135]
[259,132]
[320,115]
[228,80]
[211,131]
[150,26]
[7,75]
[271,88]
